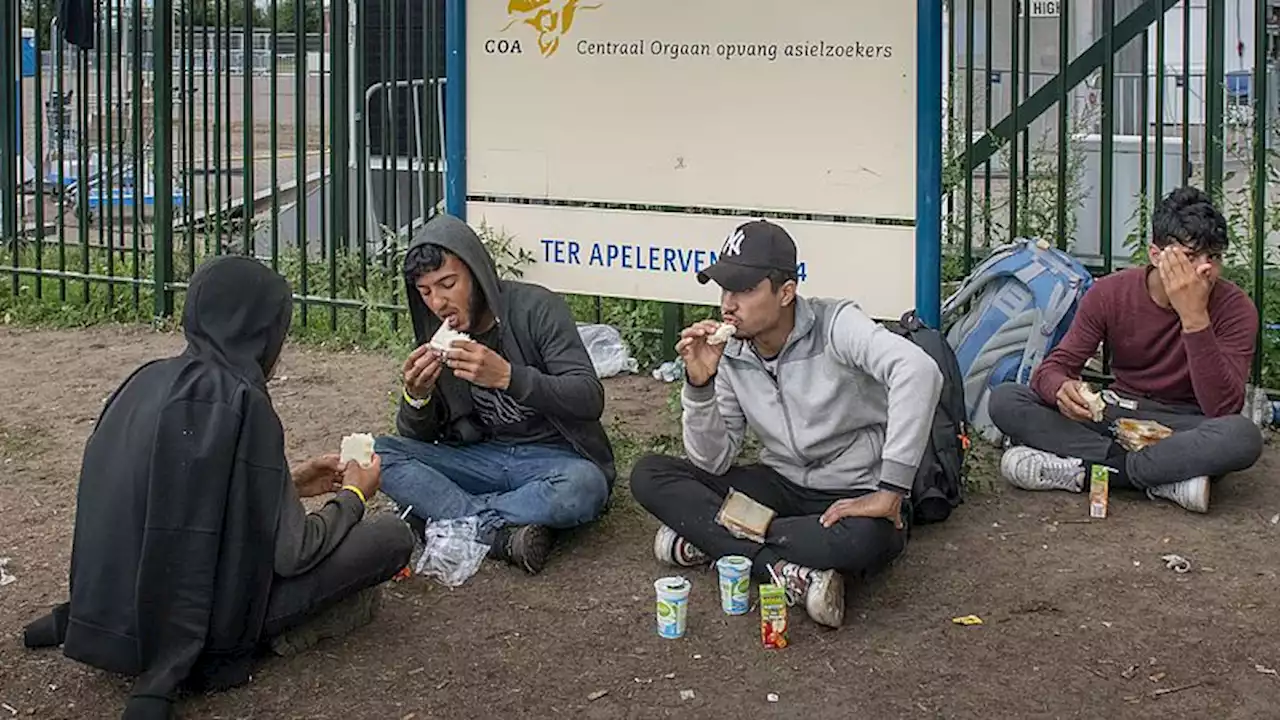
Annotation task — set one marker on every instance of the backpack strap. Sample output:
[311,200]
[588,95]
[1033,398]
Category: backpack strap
[1060,303]
[982,275]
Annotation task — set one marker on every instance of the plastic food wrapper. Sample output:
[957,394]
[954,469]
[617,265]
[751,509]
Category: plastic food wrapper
[1134,435]
[744,518]
[453,551]
[671,371]
[608,352]
[1177,563]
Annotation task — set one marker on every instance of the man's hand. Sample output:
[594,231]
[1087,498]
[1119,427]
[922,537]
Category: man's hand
[368,479]
[421,371]
[1188,287]
[701,360]
[478,365]
[885,504]
[1071,403]
[318,476]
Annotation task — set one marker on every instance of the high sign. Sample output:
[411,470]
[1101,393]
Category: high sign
[1039,8]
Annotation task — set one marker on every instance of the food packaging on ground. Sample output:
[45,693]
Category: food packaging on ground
[672,606]
[773,616]
[735,584]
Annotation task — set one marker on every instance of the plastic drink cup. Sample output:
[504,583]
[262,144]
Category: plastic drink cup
[735,583]
[673,606]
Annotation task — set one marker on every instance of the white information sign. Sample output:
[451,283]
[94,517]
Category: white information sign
[644,123]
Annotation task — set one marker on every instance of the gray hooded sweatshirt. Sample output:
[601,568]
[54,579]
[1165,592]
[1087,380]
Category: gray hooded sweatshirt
[551,371]
[851,407]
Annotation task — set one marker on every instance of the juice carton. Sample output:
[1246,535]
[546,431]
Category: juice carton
[773,616]
[1099,488]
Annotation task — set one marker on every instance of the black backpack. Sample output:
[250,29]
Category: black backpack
[939,482]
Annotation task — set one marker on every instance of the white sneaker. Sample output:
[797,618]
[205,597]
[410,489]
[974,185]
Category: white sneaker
[821,590]
[1191,494]
[1032,469]
[672,549]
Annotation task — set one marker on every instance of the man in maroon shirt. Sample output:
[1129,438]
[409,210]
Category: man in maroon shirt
[1182,341]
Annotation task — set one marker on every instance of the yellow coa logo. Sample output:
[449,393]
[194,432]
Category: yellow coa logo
[552,19]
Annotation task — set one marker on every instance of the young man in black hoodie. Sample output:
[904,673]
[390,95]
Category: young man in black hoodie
[505,426]
[192,550]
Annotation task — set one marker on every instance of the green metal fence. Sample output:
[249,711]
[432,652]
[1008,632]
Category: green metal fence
[309,135]
[1068,120]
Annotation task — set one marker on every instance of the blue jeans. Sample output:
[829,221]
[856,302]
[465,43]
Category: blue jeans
[500,483]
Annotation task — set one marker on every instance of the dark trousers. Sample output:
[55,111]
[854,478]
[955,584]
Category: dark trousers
[687,499]
[372,553]
[1199,446]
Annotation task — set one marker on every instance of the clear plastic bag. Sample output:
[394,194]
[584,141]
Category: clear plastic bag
[453,551]
[608,352]
[1134,435]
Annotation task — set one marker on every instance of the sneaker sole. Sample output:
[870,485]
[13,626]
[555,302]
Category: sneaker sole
[348,615]
[1009,463]
[664,549]
[664,546]
[825,599]
[533,551]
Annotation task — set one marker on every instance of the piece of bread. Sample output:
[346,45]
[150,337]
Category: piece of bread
[445,337]
[745,518]
[1097,406]
[722,334]
[357,447]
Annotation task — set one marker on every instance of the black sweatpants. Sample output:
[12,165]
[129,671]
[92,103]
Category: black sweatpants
[372,553]
[686,499]
[1199,446]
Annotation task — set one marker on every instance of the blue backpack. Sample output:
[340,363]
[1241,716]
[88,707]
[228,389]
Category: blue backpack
[1017,305]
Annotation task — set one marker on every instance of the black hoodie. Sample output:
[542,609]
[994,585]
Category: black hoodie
[179,501]
[551,371]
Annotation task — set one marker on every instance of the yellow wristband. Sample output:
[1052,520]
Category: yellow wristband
[414,402]
[357,491]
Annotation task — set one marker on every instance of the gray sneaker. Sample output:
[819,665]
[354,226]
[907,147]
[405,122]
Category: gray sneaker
[1191,494]
[349,614]
[1032,469]
[672,549]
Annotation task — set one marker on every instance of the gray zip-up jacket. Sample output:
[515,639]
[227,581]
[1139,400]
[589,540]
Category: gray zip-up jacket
[851,407]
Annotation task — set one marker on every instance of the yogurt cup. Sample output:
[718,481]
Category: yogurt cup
[672,606]
[735,584]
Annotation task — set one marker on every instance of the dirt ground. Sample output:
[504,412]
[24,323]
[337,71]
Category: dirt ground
[1081,619]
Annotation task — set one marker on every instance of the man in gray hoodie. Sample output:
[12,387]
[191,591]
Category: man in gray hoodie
[842,408]
[504,426]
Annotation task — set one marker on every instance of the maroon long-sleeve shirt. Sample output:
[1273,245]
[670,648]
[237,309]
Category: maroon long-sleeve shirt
[1151,356]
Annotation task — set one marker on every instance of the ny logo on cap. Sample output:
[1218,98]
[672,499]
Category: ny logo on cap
[733,246]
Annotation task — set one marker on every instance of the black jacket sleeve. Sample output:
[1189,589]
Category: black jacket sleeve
[570,388]
[304,539]
[426,423]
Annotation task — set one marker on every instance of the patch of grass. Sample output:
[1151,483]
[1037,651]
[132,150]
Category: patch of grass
[982,468]
[370,314]
[629,447]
